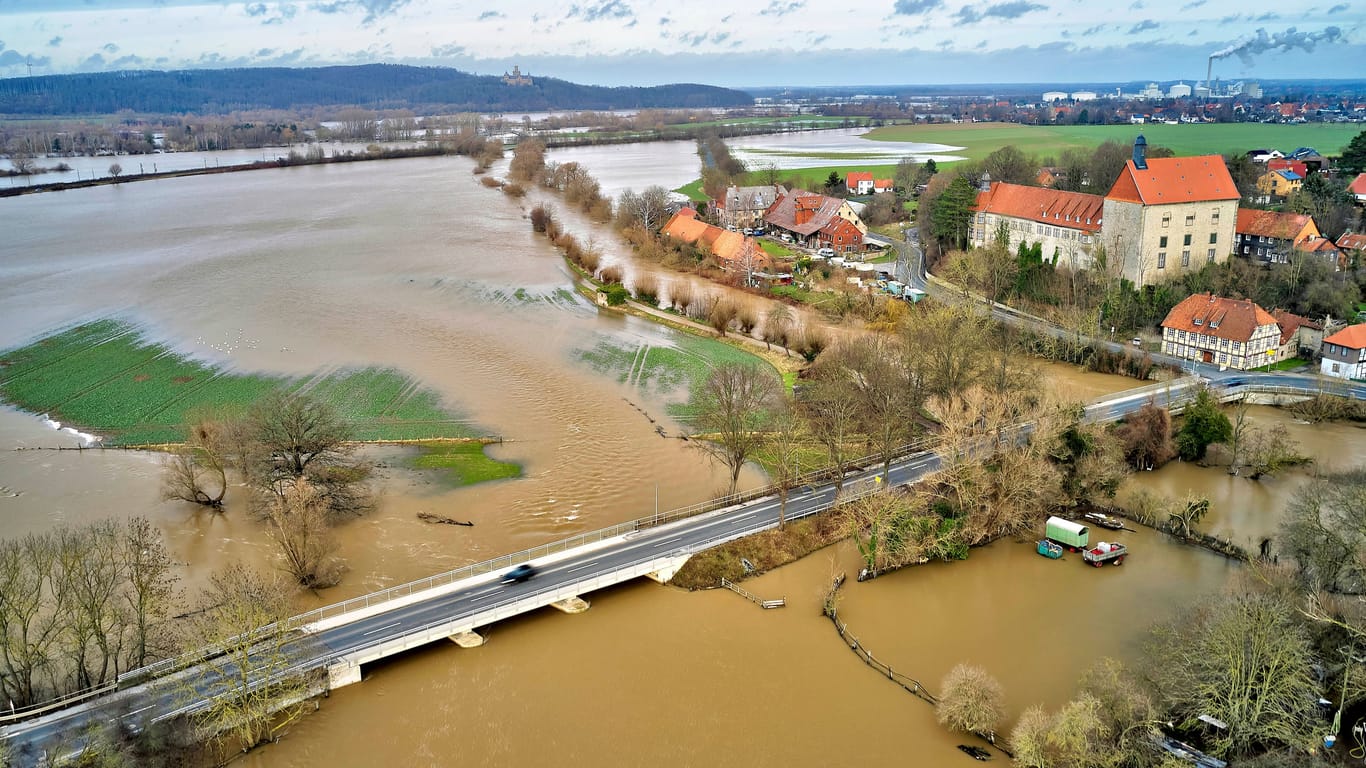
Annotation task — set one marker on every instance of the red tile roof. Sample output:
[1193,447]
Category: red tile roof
[1274,224]
[1352,337]
[816,210]
[1170,180]
[842,232]
[1232,319]
[1286,164]
[1317,245]
[728,247]
[1290,323]
[856,176]
[1351,242]
[1075,210]
[884,185]
[1358,185]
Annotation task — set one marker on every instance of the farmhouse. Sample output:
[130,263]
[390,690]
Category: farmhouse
[1344,353]
[1229,332]
[732,251]
[743,207]
[804,214]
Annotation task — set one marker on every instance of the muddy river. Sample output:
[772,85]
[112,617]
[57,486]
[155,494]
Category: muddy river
[413,265]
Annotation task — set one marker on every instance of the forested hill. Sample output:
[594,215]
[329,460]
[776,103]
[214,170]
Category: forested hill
[375,86]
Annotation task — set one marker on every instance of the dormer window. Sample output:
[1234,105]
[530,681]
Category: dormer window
[1199,321]
[1214,324]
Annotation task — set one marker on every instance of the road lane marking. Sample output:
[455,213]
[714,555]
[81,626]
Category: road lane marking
[670,541]
[581,567]
[381,629]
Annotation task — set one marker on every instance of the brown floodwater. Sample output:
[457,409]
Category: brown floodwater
[413,265]
[1245,510]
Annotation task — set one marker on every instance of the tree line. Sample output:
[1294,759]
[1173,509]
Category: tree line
[373,86]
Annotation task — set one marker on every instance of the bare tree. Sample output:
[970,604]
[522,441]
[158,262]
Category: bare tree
[251,690]
[1245,659]
[1147,437]
[785,441]
[884,396]
[971,700]
[299,526]
[528,161]
[830,406]
[295,436]
[197,471]
[777,326]
[115,170]
[150,589]
[734,407]
[648,209]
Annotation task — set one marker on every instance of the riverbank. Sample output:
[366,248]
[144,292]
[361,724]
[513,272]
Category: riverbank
[292,160]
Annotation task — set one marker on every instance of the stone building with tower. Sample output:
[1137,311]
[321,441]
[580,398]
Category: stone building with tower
[515,78]
[1169,215]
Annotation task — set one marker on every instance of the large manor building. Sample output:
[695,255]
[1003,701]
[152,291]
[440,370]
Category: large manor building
[1161,217]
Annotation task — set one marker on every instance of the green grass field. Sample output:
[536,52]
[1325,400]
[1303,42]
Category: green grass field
[777,250]
[668,372]
[980,139]
[104,378]
[463,463]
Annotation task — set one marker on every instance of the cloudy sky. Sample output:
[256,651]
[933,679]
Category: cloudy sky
[736,43]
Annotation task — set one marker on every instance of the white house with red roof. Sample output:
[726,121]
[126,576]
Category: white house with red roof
[1168,215]
[1067,224]
[1357,189]
[1232,333]
[1344,353]
[859,182]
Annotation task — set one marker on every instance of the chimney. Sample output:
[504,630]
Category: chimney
[1140,153]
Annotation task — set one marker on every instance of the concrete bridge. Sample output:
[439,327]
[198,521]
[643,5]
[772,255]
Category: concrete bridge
[339,639]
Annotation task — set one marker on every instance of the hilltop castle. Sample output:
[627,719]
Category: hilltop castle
[516,78]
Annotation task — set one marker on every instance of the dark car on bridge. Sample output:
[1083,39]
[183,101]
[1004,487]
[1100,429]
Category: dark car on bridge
[519,574]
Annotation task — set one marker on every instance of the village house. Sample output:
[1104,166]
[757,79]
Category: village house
[1169,215]
[882,185]
[1344,353]
[1278,183]
[1357,189]
[1352,245]
[859,183]
[840,236]
[1067,224]
[1271,236]
[1300,336]
[743,207]
[732,251]
[804,214]
[1233,333]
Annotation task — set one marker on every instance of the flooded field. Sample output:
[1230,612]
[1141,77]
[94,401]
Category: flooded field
[843,146]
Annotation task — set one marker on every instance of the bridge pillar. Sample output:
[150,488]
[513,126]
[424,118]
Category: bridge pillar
[341,674]
[469,639]
[663,575]
[571,605]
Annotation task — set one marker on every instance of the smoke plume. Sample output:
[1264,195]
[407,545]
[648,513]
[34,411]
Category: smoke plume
[1250,45]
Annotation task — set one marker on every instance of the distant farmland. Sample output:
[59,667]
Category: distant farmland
[980,139]
[104,378]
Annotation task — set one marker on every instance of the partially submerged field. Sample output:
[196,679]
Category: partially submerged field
[105,378]
[980,139]
[668,371]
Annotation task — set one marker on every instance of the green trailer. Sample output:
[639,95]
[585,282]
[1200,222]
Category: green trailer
[1072,535]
